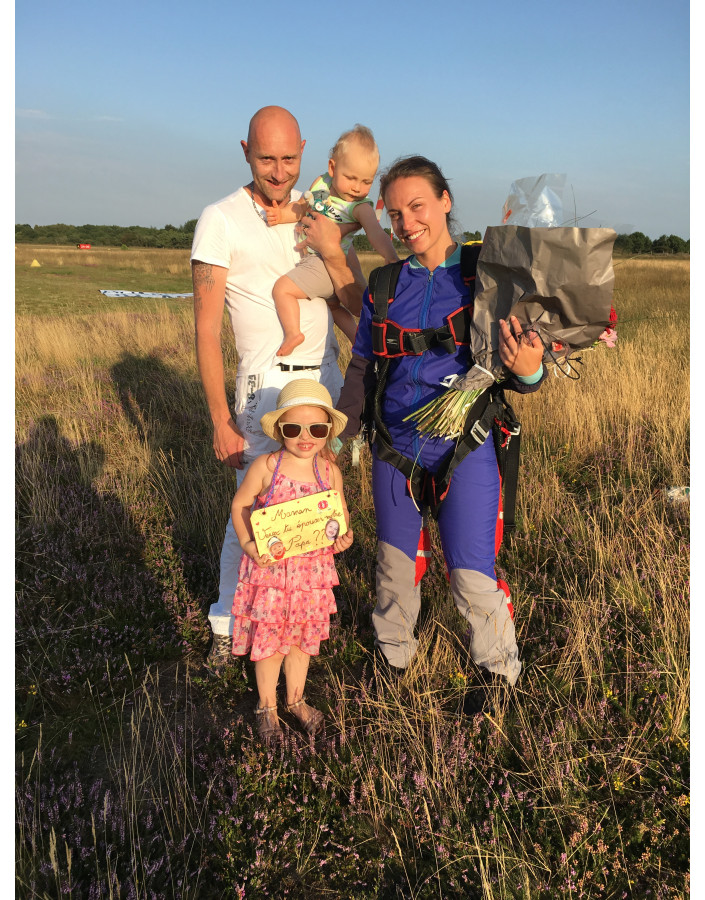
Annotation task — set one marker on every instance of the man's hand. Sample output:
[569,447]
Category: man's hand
[323,234]
[229,444]
[520,352]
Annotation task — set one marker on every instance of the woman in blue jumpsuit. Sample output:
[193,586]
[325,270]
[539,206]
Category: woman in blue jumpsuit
[430,287]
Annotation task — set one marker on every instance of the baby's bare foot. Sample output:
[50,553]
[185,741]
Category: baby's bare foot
[290,343]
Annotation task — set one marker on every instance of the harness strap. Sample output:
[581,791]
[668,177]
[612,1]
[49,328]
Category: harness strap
[469,255]
[507,437]
[430,488]
[391,340]
[382,285]
[510,479]
[479,424]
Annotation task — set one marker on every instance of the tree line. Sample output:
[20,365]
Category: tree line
[181,237]
[636,242]
[169,236]
[132,236]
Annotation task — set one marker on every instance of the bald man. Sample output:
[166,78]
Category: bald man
[235,260]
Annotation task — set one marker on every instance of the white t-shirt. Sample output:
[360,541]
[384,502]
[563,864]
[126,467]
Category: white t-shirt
[231,234]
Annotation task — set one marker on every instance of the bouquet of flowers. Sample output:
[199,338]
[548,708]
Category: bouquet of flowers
[558,281]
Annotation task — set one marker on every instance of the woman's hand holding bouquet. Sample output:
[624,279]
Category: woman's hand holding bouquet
[521,351]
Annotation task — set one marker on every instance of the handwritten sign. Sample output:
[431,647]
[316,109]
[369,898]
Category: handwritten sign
[297,526]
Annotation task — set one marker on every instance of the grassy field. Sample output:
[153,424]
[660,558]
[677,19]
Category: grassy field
[137,776]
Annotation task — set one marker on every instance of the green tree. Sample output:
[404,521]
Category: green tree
[174,239]
[129,238]
[677,244]
[24,234]
[639,243]
[362,242]
[669,244]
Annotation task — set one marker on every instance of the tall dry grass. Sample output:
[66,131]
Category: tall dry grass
[150,261]
[575,786]
[166,262]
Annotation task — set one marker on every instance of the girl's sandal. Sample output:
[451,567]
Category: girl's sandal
[308,716]
[268,727]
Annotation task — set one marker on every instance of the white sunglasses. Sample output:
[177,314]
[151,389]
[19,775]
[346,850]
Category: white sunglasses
[317,430]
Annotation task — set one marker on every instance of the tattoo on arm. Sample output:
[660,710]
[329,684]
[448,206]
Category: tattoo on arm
[203,280]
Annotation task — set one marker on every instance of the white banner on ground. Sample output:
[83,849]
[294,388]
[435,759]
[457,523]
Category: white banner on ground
[150,294]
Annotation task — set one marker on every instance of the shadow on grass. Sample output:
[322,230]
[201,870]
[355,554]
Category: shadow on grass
[189,491]
[97,734]
[86,601]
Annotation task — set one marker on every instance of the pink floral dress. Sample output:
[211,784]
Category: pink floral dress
[290,603]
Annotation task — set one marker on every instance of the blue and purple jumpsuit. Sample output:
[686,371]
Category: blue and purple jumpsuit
[469,521]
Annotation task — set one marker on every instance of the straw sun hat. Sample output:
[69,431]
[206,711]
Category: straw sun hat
[303,392]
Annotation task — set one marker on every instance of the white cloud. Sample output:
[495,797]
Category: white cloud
[32,114]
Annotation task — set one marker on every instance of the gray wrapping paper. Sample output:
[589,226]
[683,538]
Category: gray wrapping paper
[558,281]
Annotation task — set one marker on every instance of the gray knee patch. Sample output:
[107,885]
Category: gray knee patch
[484,606]
[398,605]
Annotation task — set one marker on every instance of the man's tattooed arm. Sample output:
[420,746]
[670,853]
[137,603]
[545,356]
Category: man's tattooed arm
[203,282]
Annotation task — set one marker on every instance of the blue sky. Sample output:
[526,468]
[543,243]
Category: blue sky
[131,113]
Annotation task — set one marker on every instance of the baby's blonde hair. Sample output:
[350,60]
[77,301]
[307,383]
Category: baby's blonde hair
[360,135]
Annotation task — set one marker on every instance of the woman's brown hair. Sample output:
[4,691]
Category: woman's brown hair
[417,166]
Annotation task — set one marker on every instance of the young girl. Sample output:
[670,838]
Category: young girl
[282,609]
[341,194]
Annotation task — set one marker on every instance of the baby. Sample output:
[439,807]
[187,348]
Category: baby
[340,194]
